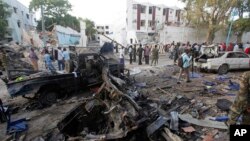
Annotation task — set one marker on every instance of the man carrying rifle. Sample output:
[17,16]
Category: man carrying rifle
[241,105]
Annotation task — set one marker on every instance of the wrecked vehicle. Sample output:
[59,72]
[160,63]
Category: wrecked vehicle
[48,87]
[109,115]
[221,62]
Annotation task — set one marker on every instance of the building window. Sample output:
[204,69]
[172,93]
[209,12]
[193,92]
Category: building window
[98,27]
[150,10]
[164,12]
[143,9]
[28,16]
[150,23]
[15,9]
[22,12]
[134,6]
[98,38]
[19,23]
[107,27]
[159,8]
[142,22]
[107,32]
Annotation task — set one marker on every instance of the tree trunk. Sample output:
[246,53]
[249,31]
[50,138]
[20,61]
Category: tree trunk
[239,37]
[210,35]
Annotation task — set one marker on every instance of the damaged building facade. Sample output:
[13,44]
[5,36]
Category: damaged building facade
[20,21]
[145,20]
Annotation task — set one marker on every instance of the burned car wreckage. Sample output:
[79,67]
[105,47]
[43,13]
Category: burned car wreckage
[116,110]
[48,86]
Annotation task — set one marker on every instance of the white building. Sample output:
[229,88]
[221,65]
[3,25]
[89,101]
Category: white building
[103,29]
[145,20]
[21,20]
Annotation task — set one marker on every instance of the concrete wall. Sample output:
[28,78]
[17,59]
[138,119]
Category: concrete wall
[184,34]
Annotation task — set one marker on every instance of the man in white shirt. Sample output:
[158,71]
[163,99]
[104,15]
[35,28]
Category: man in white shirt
[60,59]
[236,47]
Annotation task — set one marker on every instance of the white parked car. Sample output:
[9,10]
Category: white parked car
[222,62]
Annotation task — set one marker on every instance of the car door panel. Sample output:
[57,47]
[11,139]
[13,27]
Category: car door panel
[232,60]
[243,60]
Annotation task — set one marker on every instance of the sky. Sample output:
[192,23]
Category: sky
[106,12]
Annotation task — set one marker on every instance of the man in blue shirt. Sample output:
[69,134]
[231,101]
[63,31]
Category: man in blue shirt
[48,61]
[66,59]
[186,64]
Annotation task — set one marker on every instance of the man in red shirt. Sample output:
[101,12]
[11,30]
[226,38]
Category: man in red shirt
[224,46]
[230,47]
[247,50]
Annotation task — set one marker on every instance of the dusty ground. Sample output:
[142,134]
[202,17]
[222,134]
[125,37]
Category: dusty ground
[162,76]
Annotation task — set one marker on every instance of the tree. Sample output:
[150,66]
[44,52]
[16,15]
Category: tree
[242,24]
[90,28]
[212,14]
[55,12]
[66,21]
[52,8]
[4,13]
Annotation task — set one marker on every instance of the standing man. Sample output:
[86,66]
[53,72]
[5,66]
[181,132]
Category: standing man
[155,56]
[60,59]
[146,54]
[185,66]
[116,48]
[33,58]
[134,53]
[48,61]
[66,59]
[241,105]
[139,52]
[121,56]
[176,52]
[130,51]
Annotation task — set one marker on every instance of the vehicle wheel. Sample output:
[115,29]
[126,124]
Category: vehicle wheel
[48,98]
[223,69]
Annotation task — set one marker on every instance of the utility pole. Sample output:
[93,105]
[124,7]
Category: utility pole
[233,14]
[43,26]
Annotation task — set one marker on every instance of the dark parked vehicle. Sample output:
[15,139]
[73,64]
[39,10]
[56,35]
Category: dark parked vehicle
[48,88]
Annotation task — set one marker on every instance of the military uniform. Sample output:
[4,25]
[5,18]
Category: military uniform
[155,56]
[241,105]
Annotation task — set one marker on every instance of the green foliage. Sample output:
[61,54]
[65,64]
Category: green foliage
[66,21]
[211,14]
[55,12]
[4,14]
[52,8]
[90,27]
[242,6]
[242,25]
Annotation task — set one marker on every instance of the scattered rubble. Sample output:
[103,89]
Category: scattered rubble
[147,105]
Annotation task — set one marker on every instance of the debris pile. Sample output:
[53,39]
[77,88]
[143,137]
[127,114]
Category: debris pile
[12,59]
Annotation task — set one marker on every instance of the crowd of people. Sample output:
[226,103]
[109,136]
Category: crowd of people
[177,51]
[143,53]
[49,56]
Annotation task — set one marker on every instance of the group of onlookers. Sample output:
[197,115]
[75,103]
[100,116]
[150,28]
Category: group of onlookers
[62,57]
[235,47]
[143,53]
